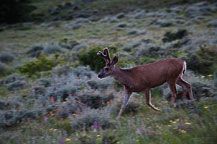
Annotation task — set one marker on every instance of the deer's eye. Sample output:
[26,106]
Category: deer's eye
[106,69]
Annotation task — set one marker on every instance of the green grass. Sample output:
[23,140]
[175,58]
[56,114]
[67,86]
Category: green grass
[147,126]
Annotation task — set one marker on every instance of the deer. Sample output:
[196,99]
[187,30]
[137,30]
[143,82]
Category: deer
[144,77]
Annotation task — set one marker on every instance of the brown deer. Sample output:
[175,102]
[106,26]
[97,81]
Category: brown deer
[144,77]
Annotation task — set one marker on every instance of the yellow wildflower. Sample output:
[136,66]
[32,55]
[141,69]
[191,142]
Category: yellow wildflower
[203,76]
[73,114]
[187,123]
[169,125]
[174,122]
[174,128]
[210,75]
[137,140]
[118,142]
[177,120]
[206,107]
[67,139]
[182,131]
[54,129]
[51,129]
[98,135]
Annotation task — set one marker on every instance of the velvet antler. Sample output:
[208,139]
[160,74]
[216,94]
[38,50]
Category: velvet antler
[105,55]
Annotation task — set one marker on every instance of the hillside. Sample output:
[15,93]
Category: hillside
[49,90]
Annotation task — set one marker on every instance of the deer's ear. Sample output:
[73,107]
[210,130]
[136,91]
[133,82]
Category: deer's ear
[114,61]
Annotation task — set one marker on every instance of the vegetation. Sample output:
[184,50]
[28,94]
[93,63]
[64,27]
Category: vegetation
[34,67]
[12,11]
[49,90]
[203,61]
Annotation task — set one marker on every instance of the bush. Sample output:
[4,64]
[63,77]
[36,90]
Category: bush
[6,57]
[68,44]
[91,58]
[91,118]
[51,48]
[95,100]
[203,61]
[170,36]
[3,68]
[35,50]
[131,108]
[35,66]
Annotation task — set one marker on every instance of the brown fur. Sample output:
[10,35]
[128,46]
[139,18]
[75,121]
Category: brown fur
[144,77]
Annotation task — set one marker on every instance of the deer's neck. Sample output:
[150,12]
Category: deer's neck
[123,76]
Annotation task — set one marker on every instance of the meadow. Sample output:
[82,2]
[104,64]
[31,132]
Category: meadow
[50,92]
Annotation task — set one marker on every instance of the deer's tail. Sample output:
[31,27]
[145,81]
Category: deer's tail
[185,67]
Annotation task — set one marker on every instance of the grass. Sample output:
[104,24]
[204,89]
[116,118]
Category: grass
[175,126]
[190,124]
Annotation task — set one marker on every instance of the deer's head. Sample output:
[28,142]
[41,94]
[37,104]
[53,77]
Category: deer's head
[109,68]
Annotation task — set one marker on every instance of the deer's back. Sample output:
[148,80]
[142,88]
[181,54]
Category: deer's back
[155,74]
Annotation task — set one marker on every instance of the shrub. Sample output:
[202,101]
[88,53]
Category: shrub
[68,44]
[51,48]
[95,100]
[35,50]
[35,66]
[91,118]
[68,108]
[203,61]
[90,57]
[170,36]
[17,85]
[6,57]
[3,68]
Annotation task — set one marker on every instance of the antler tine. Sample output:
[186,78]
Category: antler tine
[104,56]
[101,55]
[106,52]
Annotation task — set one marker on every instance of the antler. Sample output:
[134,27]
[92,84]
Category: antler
[105,55]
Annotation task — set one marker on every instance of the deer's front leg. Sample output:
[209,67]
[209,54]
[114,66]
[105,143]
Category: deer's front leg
[125,100]
[148,99]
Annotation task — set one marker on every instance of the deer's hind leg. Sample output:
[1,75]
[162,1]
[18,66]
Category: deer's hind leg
[172,85]
[186,86]
[148,99]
